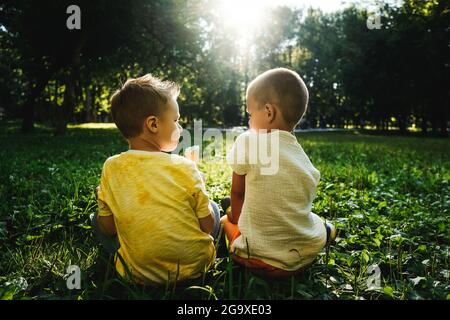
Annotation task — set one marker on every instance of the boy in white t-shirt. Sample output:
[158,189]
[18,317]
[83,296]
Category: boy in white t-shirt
[269,223]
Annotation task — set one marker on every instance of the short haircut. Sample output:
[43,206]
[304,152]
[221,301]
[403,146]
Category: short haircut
[137,100]
[284,88]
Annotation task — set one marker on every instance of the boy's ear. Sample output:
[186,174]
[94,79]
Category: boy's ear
[271,112]
[152,124]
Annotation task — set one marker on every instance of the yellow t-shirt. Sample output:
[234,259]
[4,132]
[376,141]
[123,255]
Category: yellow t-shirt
[156,200]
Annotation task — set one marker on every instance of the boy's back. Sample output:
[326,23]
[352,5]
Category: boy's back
[157,203]
[276,219]
[275,228]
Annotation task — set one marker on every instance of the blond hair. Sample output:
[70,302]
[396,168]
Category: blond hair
[283,88]
[138,99]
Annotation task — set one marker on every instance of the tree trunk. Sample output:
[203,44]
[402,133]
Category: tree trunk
[88,105]
[67,109]
[322,123]
[64,110]
[434,124]
[444,127]
[95,104]
[443,119]
[424,125]
[402,123]
[379,124]
[28,111]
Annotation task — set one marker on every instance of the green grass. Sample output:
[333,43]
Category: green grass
[389,197]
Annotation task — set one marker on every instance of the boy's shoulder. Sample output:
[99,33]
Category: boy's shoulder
[181,161]
[166,158]
[111,159]
[244,138]
[246,134]
[254,135]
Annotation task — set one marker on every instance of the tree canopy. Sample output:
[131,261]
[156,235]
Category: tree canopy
[393,76]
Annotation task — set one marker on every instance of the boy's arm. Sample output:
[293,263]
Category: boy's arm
[105,223]
[202,208]
[237,197]
[207,223]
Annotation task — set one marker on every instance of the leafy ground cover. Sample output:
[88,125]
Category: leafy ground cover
[389,196]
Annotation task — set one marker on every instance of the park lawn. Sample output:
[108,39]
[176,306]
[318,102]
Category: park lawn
[389,196]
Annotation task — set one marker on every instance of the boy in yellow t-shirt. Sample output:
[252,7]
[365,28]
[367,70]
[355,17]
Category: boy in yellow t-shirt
[155,202]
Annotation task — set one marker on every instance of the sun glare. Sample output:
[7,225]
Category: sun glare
[242,17]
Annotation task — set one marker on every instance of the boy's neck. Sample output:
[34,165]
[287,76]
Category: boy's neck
[279,124]
[282,127]
[139,143]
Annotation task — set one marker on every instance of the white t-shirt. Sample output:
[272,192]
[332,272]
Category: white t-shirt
[276,222]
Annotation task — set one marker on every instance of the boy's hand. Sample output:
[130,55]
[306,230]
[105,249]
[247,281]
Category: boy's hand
[229,215]
[107,225]
[207,223]
[96,192]
[193,153]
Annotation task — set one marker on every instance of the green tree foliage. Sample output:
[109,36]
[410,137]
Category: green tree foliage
[394,76]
